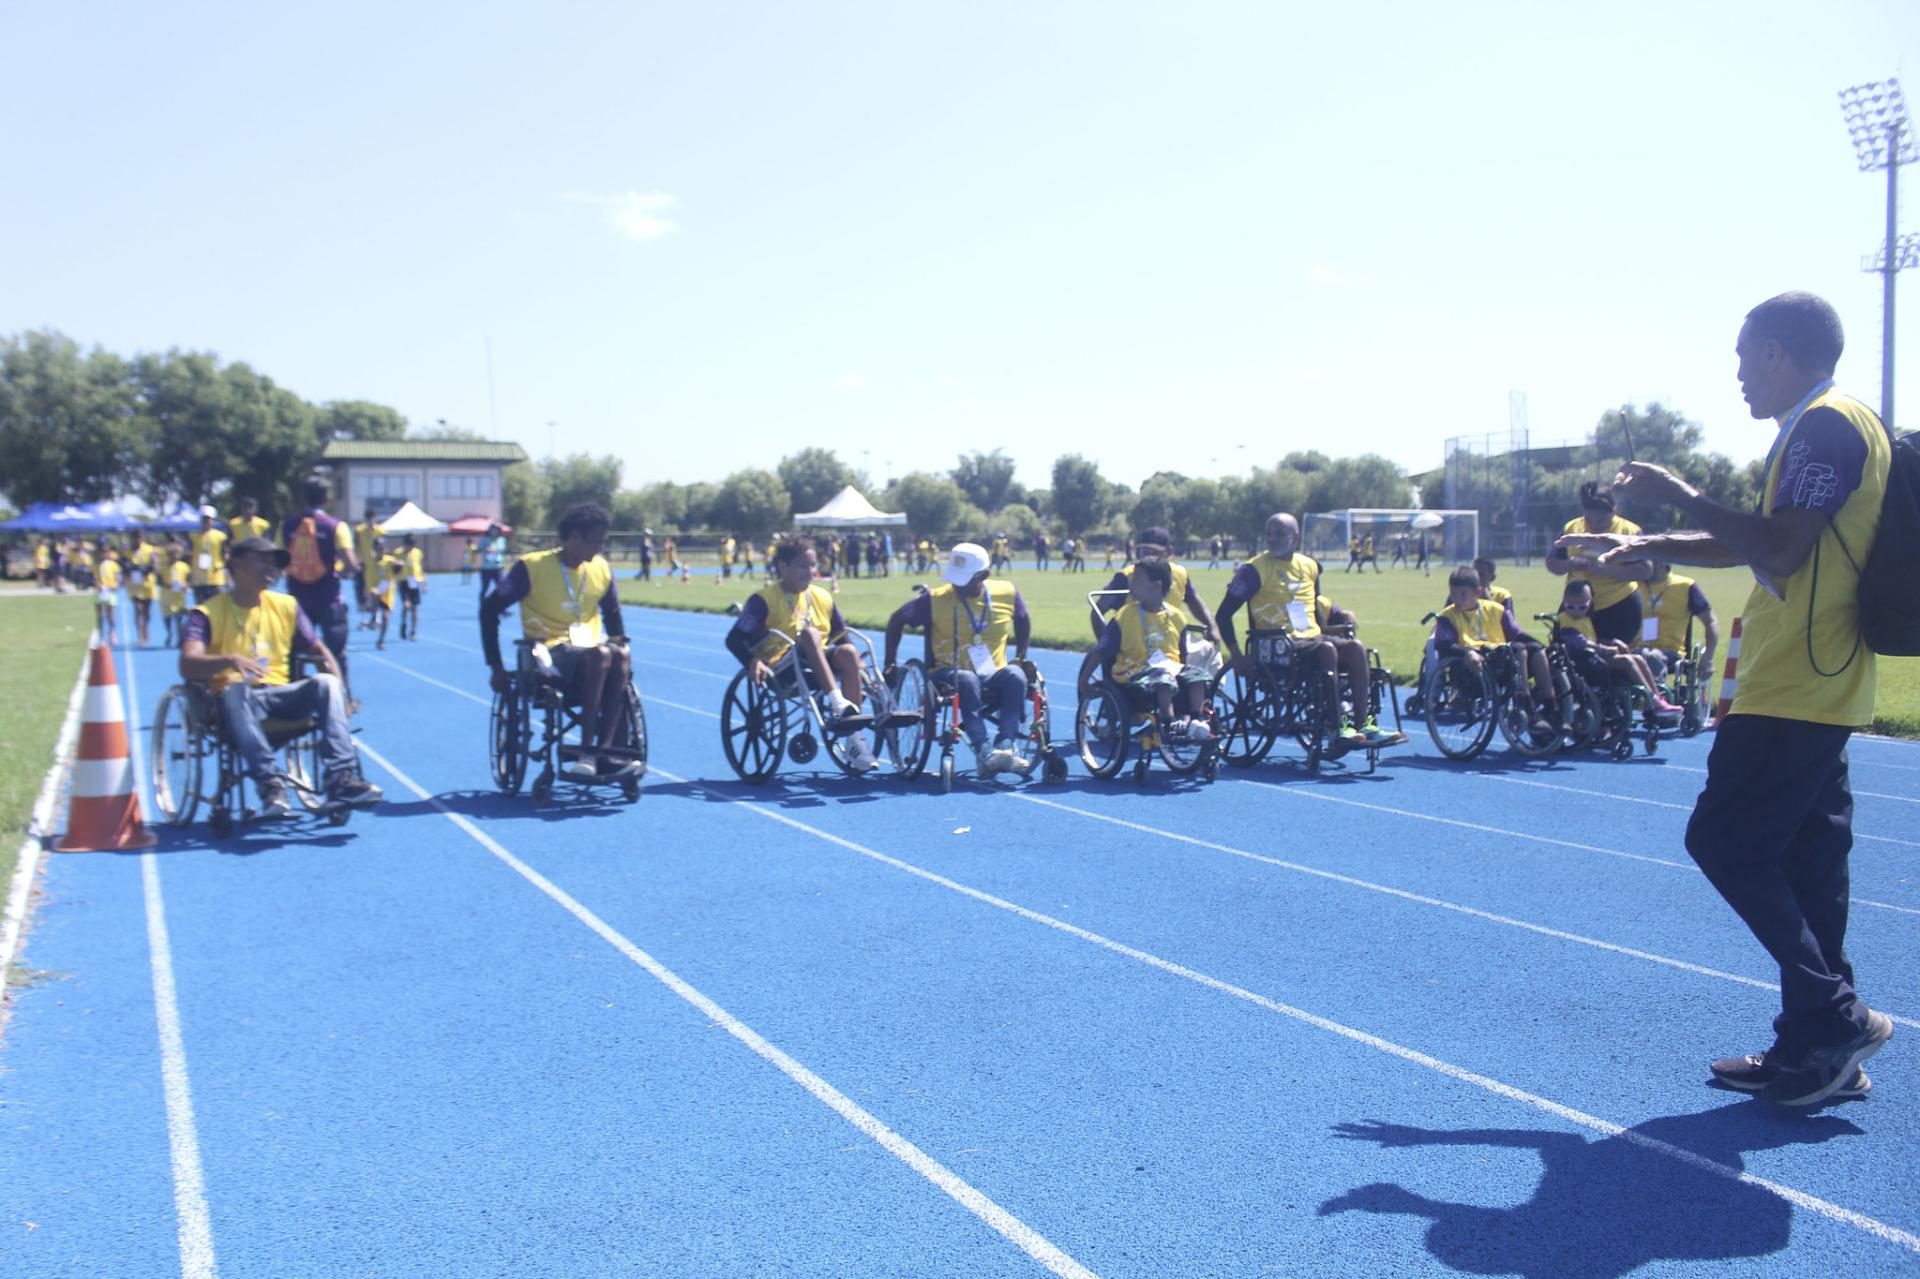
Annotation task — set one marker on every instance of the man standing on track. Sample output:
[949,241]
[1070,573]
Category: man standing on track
[314,542]
[1774,825]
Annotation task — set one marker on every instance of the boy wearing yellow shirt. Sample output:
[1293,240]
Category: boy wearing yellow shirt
[143,582]
[106,595]
[249,523]
[209,557]
[174,585]
[1145,647]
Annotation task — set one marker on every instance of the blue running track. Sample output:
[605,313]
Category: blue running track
[1443,1019]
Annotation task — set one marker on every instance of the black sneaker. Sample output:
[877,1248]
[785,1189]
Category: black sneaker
[354,791]
[1753,1072]
[273,803]
[1825,1071]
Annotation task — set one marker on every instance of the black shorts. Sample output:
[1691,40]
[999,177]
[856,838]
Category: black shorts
[409,593]
[1619,621]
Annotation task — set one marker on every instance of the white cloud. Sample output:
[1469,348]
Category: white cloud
[851,382]
[1327,277]
[634,214]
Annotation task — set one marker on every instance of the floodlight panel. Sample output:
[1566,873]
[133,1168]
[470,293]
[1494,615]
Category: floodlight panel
[1877,121]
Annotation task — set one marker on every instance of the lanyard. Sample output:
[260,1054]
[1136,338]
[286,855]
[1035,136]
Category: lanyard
[573,596]
[1791,420]
[796,610]
[985,619]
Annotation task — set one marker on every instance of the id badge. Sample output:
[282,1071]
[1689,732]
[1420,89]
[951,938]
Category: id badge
[203,561]
[982,659]
[1298,618]
[1159,661]
[1649,629]
[583,635]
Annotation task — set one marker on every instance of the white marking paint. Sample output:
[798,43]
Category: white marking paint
[1870,794]
[1003,1222]
[195,1224]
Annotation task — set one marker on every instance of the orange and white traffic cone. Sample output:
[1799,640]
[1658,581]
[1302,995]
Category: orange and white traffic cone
[104,815]
[1728,684]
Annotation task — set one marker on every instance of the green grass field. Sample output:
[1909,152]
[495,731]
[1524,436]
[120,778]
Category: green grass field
[44,638]
[1389,604]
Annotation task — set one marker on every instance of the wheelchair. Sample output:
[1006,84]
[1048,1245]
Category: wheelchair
[538,719]
[914,683]
[1684,683]
[187,741]
[1280,701]
[1602,710]
[1113,719]
[786,718]
[1463,702]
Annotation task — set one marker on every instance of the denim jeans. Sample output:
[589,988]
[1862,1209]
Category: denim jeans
[1007,686]
[243,707]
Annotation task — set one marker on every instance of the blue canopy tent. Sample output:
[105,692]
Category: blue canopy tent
[183,518]
[32,520]
[45,517]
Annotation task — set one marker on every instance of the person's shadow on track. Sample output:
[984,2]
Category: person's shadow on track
[1605,1207]
[485,805]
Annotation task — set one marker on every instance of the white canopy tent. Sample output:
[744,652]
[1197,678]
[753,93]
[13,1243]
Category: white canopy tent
[410,519]
[848,509]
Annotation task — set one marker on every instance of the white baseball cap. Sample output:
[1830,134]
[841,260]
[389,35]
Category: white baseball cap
[964,563]
[209,512]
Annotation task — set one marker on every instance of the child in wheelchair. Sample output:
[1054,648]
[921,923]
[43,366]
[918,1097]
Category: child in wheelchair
[1478,626]
[570,615]
[1144,650]
[968,621]
[1669,605]
[794,613]
[1599,661]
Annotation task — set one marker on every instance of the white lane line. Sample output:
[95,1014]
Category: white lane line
[1005,1223]
[13,925]
[1832,1211]
[183,1137]
[1870,794]
[1650,803]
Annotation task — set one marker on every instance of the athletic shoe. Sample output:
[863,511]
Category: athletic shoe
[1378,736]
[1827,1070]
[580,766]
[354,791]
[273,803]
[999,760]
[612,770]
[1666,712]
[1198,732]
[1349,734]
[1755,1071]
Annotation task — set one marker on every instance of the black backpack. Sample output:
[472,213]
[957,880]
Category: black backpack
[1890,580]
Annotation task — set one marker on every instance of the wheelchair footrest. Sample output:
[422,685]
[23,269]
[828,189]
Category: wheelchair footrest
[849,724]
[899,719]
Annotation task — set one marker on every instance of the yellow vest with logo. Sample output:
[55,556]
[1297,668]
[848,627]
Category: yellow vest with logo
[558,596]
[1296,578]
[791,614]
[1667,604]
[1142,634]
[954,619]
[1583,625]
[212,545]
[264,632]
[1775,675]
[1481,628]
[1607,591]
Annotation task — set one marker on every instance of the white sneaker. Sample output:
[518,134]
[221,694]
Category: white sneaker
[1197,731]
[580,766]
[999,760]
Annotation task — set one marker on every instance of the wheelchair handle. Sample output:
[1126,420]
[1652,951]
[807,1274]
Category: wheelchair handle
[1429,619]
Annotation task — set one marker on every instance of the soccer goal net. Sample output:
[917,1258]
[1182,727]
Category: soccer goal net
[1392,537]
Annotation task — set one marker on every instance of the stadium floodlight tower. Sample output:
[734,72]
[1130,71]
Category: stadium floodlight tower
[1883,139]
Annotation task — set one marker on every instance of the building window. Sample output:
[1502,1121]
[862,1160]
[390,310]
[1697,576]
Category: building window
[402,487]
[463,486]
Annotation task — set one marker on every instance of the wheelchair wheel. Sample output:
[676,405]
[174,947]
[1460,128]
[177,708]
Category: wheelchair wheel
[636,739]
[507,741]
[839,745]
[1054,771]
[1101,729]
[753,728]
[1184,756]
[1460,710]
[1247,712]
[907,748]
[175,749]
[946,772]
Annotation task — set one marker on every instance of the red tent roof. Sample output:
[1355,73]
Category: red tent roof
[473,525]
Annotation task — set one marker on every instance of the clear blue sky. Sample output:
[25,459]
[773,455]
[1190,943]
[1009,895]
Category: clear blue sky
[1195,236]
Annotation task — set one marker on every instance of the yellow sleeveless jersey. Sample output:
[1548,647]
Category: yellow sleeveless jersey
[173,596]
[107,576]
[210,558]
[1295,579]
[1499,595]
[1666,604]
[1142,634]
[1480,628]
[143,565]
[792,614]
[559,597]
[264,632]
[1176,593]
[959,623]
[1583,625]
[1606,591]
[1776,677]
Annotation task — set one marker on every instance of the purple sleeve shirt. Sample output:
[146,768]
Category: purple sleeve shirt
[304,639]
[1244,585]
[1823,465]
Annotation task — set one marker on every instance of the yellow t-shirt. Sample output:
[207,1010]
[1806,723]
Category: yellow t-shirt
[1607,591]
[264,632]
[1144,635]
[240,527]
[1584,625]
[1481,628]
[173,596]
[1665,604]
[107,575]
[791,614]
[1776,677]
[558,597]
[143,576]
[209,557]
[1295,579]
[416,566]
[42,557]
[956,618]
